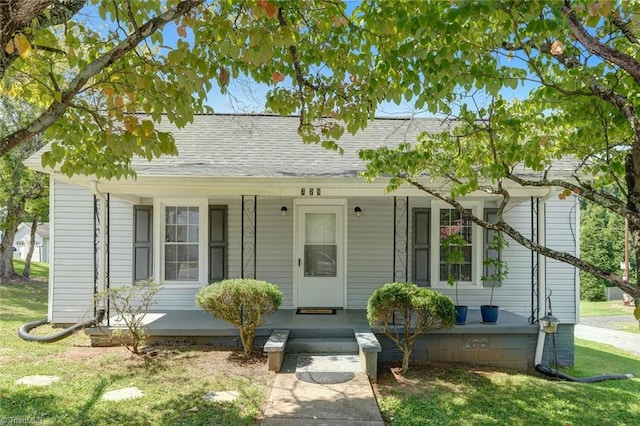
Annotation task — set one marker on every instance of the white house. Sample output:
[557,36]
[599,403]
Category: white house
[246,198]
[22,240]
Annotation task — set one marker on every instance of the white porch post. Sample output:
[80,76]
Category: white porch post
[102,240]
[542,260]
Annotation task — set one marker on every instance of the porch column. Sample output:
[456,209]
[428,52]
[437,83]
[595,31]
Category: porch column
[542,261]
[248,243]
[100,244]
[400,239]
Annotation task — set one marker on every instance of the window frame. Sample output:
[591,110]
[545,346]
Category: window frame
[160,206]
[477,246]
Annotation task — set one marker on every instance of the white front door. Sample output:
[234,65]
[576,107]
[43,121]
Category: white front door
[320,265]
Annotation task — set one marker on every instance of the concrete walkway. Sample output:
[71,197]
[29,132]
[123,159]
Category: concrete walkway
[629,342]
[302,396]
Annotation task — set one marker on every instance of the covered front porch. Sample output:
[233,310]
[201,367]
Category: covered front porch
[509,343]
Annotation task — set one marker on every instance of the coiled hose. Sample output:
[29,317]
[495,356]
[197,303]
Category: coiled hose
[561,376]
[23,332]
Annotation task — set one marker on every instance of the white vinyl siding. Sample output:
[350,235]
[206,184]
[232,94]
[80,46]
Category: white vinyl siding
[562,234]
[275,246]
[369,248]
[71,271]
[369,253]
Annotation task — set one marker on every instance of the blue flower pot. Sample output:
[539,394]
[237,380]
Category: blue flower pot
[489,313]
[461,314]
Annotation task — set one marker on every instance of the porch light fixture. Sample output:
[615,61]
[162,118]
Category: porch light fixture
[284,210]
[358,211]
[549,324]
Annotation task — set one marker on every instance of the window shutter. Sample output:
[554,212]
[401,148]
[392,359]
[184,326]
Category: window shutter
[217,243]
[142,240]
[421,247]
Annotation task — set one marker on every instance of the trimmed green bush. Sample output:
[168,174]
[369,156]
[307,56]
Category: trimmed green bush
[396,304]
[241,302]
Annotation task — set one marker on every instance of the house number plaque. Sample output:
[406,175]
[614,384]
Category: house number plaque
[476,343]
[310,191]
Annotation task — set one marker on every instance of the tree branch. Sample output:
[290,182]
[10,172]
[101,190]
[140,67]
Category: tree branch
[19,14]
[57,108]
[503,226]
[616,57]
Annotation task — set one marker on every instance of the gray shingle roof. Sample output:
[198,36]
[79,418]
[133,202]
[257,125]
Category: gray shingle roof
[269,146]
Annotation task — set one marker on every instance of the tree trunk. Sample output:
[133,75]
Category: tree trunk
[32,244]
[6,246]
[406,354]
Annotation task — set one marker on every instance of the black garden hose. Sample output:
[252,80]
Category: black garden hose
[561,376]
[23,332]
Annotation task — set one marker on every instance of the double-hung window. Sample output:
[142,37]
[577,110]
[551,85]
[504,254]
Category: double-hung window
[451,223]
[431,256]
[181,243]
[192,243]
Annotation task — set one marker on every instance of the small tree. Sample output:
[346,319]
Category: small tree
[454,255]
[418,310]
[131,304]
[496,269]
[241,302]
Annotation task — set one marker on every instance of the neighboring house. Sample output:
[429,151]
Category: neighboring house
[22,240]
[246,198]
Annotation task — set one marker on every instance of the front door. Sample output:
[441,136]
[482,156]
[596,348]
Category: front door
[320,265]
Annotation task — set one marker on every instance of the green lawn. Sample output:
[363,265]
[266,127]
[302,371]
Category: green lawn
[610,308]
[176,380]
[173,384]
[38,270]
[433,394]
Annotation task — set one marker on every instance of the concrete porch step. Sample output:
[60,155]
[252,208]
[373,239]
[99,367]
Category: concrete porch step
[322,345]
[343,332]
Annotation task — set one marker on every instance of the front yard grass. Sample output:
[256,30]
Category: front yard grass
[436,394]
[173,383]
[176,380]
[608,308]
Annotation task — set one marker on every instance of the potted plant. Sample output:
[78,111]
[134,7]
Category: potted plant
[454,255]
[496,270]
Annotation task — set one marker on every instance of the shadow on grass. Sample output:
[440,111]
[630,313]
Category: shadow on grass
[23,301]
[34,405]
[192,409]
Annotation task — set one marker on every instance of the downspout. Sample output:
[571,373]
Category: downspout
[542,291]
[102,250]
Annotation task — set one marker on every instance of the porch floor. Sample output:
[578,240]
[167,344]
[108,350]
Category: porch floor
[198,323]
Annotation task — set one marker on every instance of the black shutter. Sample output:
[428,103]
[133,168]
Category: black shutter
[142,242]
[217,243]
[421,246]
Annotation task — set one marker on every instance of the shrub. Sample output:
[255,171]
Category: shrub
[241,302]
[592,288]
[131,304]
[420,309]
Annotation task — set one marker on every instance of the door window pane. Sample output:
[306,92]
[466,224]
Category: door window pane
[320,228]
[320,261]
